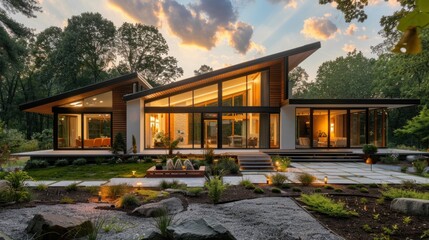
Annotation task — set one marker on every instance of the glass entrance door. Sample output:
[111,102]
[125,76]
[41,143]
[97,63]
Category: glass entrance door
[210,130]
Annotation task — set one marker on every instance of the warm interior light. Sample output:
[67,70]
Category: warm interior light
[76,104]
[325,180]
[134,173]
[332,127]
[139,184]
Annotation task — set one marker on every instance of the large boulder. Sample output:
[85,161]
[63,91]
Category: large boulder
[200,229]
[171,205]
[47,226]
[410,206]
[4,185]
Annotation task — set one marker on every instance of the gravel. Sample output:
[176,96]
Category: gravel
[261,218]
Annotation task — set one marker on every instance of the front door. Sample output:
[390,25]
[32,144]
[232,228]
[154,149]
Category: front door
[210,130]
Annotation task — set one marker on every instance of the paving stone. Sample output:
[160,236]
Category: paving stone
[37,183]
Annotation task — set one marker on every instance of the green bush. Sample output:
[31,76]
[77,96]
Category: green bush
[306,179]
[353,187]
[147,160]
[390,159]
[325,205]
[295,189]
[71,187]
[258,191]
[285,186]
[128,201]
[420,165]
[18,191]
[245,182]
[67,200]
[44,139]
[363,190]
[79,162]
[162,222]
[119,144]
[318,190]
[28,146]
[409,184]
[113,191]
[3,175]
[209,156]
[42,187]
[228,165]
[277,179]
[195,191]
[373,185]
[392,193]
[215,187]
[369,149]
[281,163]
[329,187]
[338,190]
[250,186]
[61,162]
[174,184]
[276,190]
[34,163]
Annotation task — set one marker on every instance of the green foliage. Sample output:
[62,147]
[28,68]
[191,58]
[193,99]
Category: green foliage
[250,186]
[306,179]
[390,159]
[42,187]
[114,191]
[295,189]
[67,200]
[44,139]
[258,191]
[338,190]
[276,190]
[147,160]
[203,69]
[352,187]
[195,191]
[420,166]
[406,220]
[318,190]
[282,163]
[128,201]
[227,165]
[3,175]
[174,184]
[418,126]
[373,185]
[277,179]
[409,184]
[363,200]
[215,187]
[425,234]
[71,187]
[329,187]
[18,191]
[149,195]
[119,144]
[380,201]
[209,155]
[285,186]
[392,193]
[363,190]
[325,205]
[79,162]
[163,221]
[61,162]
[369,149]
[245,182]
[367,228]
[35,163]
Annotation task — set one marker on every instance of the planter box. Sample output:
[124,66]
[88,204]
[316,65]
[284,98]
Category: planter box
[153,173]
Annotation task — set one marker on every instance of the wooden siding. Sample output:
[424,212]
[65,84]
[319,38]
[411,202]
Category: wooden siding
[119,112]
[276,85]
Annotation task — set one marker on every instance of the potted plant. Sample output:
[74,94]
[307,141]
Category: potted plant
[369,150]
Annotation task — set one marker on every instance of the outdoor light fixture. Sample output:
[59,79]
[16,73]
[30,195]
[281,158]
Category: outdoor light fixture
[268,180]
[215,161]
[99,196]
[325,180]
[277,163]
[134,173]
[139,184]
[369,161]
[183,167]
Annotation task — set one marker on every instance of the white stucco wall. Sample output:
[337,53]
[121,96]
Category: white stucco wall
[135,123]
[287,127]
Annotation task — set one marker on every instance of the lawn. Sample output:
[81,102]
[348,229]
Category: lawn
[90,172]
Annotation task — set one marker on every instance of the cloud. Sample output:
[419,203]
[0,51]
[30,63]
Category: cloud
[363,37]
[285,3]
[145,11]
[319,28]
[201,23]
[351,29]
[349,47]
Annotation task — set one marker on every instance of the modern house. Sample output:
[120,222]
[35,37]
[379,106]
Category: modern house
[245,106]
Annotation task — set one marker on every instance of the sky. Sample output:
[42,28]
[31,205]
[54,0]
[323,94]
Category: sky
[221,33]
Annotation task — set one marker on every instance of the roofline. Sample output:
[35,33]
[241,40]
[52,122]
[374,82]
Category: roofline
[375,101]
[88,88]
[287,53]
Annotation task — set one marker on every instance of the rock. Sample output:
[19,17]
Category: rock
[48,226]
[173,190]
[153,235]
[188,165]
[426,170]
[178,165]
[170,164]
[4,236]
[411,206]
[4,185]
[200,229]
[171,205]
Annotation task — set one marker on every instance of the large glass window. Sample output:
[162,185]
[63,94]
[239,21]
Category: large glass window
[181,100]
[320,128]
[156,125]
[274,131]
[97,131]
[302,127]
[181,128]
[103,100]
[163,102]
[197,130]
[206,96]
[377,127]
[234,130]
[69,131]
[357,127]
[338,128]
[234,92]
[254,89]
[253,130]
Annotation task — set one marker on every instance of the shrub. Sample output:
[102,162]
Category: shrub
[373,185]
[99,160]
[352,187]
[128,201]
[295,189]
[171,184]
[147,159]
[258,191]
[225,165]
[209,156]
[34,163]
[306,179]
[114,191]
[338,190]
[392,193]
[366,228]
[276,190]
[281,163]
[380,201]
[61,162]
[216,187]
[285,186]
[44,138]
[277,179]
[363,200]
[18,191]
[245,182]
[409,184]
[329,187]
[3,175]
[318,190]
[67,200]
[250,186]
[42,187]
[369,149]
[363,190]
[390,159]
[119,144]
[404,169]
[325,205]
[195,191]
[79,162]
[420,166]
[162,222]
[71,187]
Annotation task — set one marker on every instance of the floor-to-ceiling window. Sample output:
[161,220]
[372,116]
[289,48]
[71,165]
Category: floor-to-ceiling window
[357,127]
[302,124]
[338,128]
[320,128]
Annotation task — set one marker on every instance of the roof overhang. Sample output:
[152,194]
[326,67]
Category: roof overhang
[353,103]
[294,57]
[45,105]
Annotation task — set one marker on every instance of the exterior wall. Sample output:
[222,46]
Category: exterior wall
[135,123]
[119,110]
[287,127]
[275,80]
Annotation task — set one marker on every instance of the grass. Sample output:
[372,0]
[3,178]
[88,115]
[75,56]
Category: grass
[392,193]
[325,205]
[90,172]
[149,195]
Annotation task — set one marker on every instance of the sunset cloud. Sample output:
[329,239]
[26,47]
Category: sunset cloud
[351,29]
[146,11]
[349,47]
[319,28]
[363,37]
[285,3]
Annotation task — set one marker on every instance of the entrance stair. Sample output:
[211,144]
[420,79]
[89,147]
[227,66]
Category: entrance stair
[320,156]
[255,162]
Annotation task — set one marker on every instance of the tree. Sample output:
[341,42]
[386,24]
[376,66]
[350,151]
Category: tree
[298,80]
[86,49]
[203,69]
[418,127]
[143,49]
[344,77]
